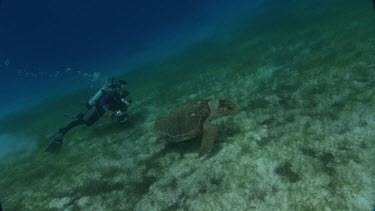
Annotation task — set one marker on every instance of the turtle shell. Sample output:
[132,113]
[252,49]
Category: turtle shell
[185,122]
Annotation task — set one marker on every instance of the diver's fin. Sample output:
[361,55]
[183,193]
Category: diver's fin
[208,140]
[69,115]
[56,143]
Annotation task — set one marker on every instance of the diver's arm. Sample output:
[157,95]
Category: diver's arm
[121,114]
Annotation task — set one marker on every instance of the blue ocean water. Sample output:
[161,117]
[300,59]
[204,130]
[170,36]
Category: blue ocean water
[49,48]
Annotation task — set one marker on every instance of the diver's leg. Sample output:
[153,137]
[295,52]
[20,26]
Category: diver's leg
[89,118]
[71,125]
[93,115]
[58,141]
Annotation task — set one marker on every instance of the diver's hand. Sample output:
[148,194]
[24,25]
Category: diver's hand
[123,119]
[121,116]
[55,144]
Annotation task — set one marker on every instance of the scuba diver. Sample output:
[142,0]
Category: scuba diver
[111,98]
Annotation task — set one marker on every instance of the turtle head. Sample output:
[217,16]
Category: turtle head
[226,107]
[222,107]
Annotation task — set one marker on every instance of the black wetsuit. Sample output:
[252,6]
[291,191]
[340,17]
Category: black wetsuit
[112,97]
[109,101]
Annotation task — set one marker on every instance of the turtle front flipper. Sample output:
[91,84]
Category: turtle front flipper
[208,140]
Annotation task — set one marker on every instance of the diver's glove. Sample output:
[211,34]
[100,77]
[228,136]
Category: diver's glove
[56,143]
[122,119]
[120,116]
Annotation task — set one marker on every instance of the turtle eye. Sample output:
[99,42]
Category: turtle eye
[223,110]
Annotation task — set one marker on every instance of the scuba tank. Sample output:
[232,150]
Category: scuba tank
[96,97]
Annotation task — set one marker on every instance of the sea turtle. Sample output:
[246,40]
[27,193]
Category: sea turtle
[192,120]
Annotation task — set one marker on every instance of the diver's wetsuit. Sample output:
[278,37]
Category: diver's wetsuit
[109,101]
[113,98]
[94,113]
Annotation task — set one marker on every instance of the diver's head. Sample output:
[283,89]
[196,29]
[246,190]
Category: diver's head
[119,86]
[122,82]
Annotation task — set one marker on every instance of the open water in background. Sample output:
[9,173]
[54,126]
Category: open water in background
[50,48]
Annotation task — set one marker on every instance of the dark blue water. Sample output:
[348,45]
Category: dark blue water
[49,47]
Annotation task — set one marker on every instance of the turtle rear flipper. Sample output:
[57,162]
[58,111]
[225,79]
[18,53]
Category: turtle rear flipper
[208,140]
